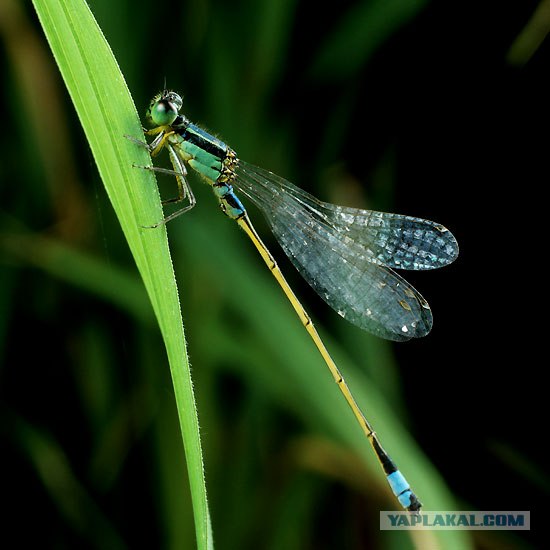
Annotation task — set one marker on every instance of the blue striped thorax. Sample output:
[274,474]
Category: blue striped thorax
[212,159]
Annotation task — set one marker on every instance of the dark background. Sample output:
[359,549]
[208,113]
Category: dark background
[433,109]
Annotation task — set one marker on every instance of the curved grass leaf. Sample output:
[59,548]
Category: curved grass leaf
[106,112]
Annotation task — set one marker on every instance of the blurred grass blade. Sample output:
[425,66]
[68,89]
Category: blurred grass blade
[107,113]
[106,281]
[362,29]
[67,493]
[530,39]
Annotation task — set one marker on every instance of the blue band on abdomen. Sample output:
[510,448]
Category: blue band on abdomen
[401,489]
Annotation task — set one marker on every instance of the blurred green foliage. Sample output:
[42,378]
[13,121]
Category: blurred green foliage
[94,457]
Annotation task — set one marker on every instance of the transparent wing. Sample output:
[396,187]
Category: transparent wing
[346,254]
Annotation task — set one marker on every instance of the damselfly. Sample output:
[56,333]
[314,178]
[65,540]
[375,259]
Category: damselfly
[347,255]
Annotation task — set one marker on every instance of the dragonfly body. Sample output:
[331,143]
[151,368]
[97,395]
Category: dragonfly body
[211,158]
[346,254]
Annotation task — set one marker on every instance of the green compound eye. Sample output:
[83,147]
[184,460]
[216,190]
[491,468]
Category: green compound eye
[163,112]
[164,108]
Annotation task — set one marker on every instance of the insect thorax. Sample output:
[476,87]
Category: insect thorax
[229,165]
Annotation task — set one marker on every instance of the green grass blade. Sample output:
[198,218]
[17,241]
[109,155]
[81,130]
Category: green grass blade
[107,113]
[81,269]
[357,35]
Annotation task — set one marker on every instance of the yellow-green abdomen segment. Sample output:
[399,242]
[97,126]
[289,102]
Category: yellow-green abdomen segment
[215,161]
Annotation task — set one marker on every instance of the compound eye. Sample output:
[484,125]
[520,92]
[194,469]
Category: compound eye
[163,112]
[175,99]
